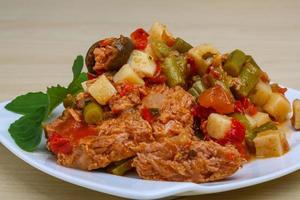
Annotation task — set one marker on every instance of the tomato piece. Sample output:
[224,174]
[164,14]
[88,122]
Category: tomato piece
[60,144]
[91,76]
[245,106]
[201,112]
[235,135]
[139,38]
[158,77]
[218,99]
[147,115]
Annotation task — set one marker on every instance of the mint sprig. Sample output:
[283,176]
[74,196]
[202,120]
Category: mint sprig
[37,106]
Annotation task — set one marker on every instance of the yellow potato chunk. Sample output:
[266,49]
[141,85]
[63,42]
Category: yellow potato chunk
[296,114]
[142,63]
[127,75]
[262,93]
[158,31]
[270,143]
[278,107]
[218,125]
[259,119]
[102,90]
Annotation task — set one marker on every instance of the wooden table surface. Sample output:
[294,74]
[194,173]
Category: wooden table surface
[39,40]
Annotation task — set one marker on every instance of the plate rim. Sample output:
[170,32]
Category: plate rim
[179,189]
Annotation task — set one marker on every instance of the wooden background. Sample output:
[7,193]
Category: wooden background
[40,39]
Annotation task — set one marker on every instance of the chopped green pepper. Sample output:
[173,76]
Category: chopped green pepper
[249,76]
[173,72]
[160,49]
[181,46]
[182,64]
[120,167]
[92,113]
[234,63]
[197,88]
[250,134]
[265,127]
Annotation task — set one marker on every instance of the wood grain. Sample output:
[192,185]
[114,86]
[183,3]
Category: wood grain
[40,39]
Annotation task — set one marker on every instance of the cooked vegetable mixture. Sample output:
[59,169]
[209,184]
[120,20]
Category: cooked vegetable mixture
[169,110]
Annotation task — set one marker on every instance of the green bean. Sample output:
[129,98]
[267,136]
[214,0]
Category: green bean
[120,167]
[182,64]
[172,71]
[249,76]
[234,63]
[265,127]
[160,49]
[181,46]
[93,113]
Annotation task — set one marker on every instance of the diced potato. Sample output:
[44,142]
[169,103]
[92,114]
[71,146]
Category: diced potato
[142,63]
[84,86]
[278,106]
[261,118]
[127,75]
[296,114]
[262,93]
[270,143]
[218,125]
[251,121]
[159,32]
[102,90]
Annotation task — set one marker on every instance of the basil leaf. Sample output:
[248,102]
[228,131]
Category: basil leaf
[75,85]
[28,103]
[27,131]
[56,95]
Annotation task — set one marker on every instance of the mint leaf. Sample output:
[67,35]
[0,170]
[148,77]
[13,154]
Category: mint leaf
[56,95]
[77,66]
[27,131]
[28,103]
[75,86]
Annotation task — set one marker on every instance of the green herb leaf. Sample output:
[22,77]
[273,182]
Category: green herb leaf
[28,103]
[77,66]
[56,95]
[75,86]
[27,131]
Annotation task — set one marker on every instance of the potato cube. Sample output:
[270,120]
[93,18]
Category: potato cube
[296,114]
[218,125]
[278,107]
[262,93]
[102,90]
[259,119]
[270,143]
[127,75]
[142,63]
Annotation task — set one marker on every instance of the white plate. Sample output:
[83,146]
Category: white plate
[255,172]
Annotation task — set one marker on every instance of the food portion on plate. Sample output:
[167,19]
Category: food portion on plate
[155,104]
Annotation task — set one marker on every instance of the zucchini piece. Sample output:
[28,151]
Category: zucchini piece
[102,90]
[197,88]
[181,46]
[160,49]
[172,71]
[234,63]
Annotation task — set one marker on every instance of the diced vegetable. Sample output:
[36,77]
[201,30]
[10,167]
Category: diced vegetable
[217,98]
[267,126]
[277,106]
[102,90]
[261,93]
[296,114]
[197,88]
[92,113]
[120,167]
[277,88]
[84,85]
[234,63]
[127,75]
[139,38]
[142,63]
[160,32]
[203,56]
[218,125]
[259,119]
[249,76]
[181,46]
[249,135]
[270,143]
[173,72]
[160,49]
